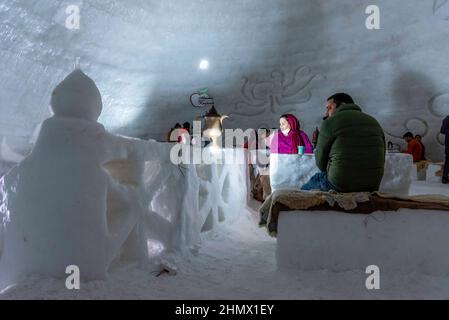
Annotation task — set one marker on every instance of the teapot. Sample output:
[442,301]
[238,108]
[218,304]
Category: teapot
[213,128]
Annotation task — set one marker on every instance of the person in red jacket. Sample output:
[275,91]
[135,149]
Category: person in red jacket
[414,147]
[419,138]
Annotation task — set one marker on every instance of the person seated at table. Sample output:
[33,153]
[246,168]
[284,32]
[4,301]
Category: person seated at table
[187,126]
[184,133]
[290,137]
[414,147]
[419,139]
[171,136]
[351,149]
[259,168]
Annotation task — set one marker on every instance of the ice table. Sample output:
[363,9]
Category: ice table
[293,171]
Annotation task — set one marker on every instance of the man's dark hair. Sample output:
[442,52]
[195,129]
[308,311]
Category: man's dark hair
[408,135]
[341,98]
[178,126]
[187,125]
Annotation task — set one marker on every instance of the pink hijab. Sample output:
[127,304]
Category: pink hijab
[287,144]
[283,144]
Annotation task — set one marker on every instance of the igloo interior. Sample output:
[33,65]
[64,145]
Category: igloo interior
[89,90]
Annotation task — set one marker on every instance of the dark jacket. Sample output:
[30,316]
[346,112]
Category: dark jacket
[351,149]
[445,130]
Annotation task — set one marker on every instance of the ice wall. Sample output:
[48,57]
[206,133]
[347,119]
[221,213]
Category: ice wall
[266,58]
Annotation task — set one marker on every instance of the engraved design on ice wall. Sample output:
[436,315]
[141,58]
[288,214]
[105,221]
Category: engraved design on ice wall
[277,93]
[220,188]
[441,9]
[184,201]
[439,107]
[416,125]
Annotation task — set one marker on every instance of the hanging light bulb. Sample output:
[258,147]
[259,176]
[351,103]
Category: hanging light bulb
[204,65]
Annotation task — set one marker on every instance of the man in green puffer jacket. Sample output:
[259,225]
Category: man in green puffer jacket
[351,149]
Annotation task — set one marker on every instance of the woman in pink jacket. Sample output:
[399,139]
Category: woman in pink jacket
[290,137]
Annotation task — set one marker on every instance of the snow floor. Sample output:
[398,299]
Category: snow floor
[236,262]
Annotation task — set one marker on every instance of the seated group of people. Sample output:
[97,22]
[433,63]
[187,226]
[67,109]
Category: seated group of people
[415,147]
[179,133]
[349,149]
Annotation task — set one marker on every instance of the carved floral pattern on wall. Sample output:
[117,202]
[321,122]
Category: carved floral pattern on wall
[441,9]
[275,94]
[415,125]
[438,106]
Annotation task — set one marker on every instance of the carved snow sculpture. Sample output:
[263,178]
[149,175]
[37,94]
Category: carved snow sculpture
[65,203]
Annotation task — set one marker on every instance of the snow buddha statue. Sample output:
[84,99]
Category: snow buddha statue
[60,206]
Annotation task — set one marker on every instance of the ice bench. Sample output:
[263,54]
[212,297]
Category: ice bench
[407,241]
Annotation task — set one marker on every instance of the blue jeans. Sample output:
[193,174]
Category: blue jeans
[320,182]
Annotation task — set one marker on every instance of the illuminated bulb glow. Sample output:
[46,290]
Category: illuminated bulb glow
[204,65]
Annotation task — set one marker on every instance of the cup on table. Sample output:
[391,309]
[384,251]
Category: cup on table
[301,150]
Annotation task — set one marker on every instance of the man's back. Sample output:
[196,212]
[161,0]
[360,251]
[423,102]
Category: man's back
[351,148]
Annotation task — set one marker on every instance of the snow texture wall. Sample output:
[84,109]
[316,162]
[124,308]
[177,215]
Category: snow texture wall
[266,58]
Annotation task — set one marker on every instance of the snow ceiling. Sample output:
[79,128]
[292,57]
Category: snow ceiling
[266,58]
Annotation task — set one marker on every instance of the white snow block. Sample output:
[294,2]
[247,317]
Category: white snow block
[291,171]
[408,241]
[223,187]
[294,171]
[398,172]
[432,171]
